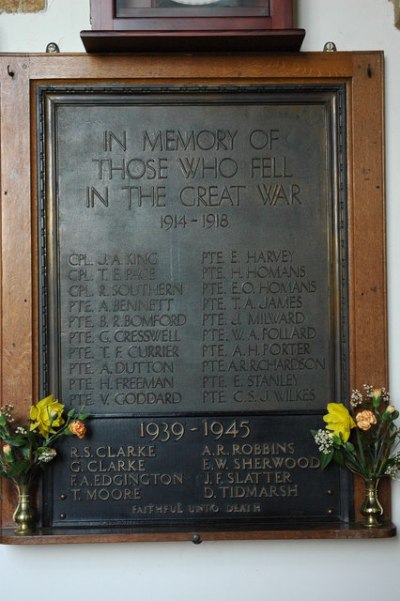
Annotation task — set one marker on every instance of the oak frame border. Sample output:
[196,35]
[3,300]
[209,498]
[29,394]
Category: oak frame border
[362,73]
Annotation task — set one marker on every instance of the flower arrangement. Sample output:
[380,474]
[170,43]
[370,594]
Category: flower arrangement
[364,438]
[27,448]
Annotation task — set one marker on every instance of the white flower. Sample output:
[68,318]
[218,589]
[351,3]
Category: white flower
[368,390]
[396,459]
[45,454]
[356,398]
[7,412]
[324,441]
[392,471]
[21,430]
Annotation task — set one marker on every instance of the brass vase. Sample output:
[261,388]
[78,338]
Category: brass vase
[371,508]
[24,515]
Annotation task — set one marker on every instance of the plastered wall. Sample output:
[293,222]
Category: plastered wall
[235,571]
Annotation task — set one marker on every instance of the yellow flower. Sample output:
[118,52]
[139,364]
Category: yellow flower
[339,420]
[46,415]
[365,419]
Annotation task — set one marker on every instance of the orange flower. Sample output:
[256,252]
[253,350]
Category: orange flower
[365,419]
[7,451]
[78,428]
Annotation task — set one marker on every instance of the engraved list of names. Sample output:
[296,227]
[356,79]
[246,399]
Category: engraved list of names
[193,301]
[193,248]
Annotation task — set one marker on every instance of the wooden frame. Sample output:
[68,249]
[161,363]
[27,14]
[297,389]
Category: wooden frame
[362,74]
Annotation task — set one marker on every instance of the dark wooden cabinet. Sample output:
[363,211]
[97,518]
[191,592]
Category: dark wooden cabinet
[192,25]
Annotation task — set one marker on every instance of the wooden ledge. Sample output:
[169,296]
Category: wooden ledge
[280,40]
[275,532]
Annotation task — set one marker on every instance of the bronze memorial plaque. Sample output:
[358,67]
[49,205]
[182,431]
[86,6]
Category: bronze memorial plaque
[194,300]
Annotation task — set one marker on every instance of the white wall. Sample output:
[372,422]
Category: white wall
[245,571]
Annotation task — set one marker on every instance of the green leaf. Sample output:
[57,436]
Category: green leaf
[338,457]
[26,452]
[18,468]
[326,458]
[3,421]
[376,401]
[82,416]
[17,441]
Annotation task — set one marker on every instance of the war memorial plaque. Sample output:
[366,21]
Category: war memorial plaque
[186,252]
[194,300]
